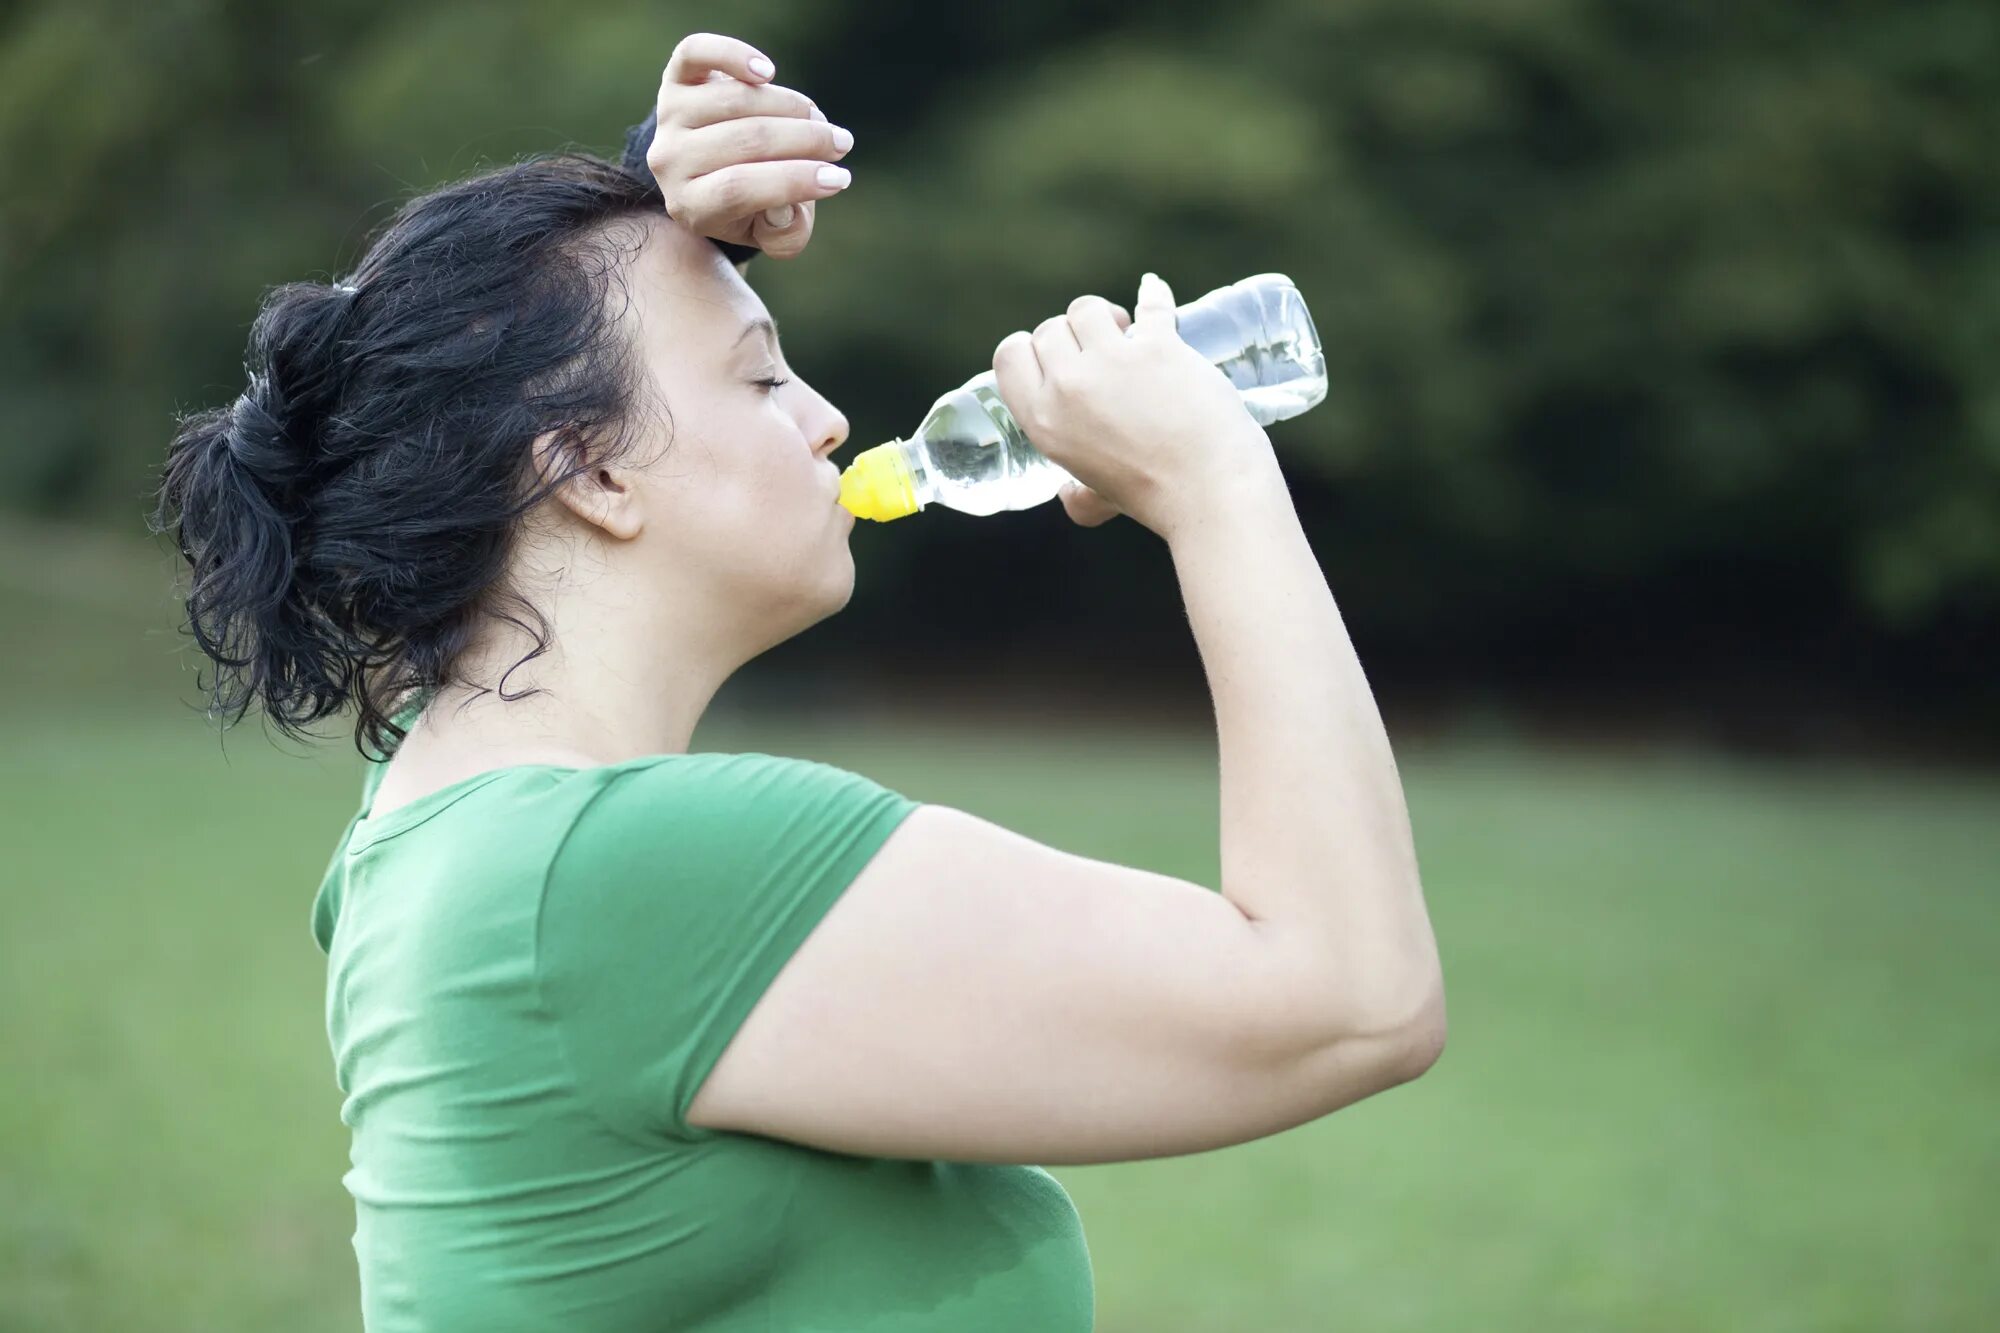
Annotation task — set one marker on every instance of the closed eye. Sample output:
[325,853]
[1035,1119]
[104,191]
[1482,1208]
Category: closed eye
[772,383]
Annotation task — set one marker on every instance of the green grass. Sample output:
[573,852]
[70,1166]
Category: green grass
[1723,1050]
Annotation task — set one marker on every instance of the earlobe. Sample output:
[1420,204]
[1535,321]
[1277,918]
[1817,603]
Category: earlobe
[600,498]
[607,503]
[620,504]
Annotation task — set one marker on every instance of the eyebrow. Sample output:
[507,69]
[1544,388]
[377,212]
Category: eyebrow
[755,324]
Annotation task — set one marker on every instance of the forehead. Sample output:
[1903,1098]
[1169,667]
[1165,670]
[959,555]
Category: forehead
[680,280]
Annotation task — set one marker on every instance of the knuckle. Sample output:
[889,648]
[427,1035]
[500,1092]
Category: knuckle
[749,140]
[733,141]
[714,103]
[728,192]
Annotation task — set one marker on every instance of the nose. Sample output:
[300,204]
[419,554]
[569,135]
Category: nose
[832,431]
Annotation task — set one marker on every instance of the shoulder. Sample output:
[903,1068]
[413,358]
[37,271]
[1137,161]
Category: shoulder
[708,855]
[741,800]
[719,781]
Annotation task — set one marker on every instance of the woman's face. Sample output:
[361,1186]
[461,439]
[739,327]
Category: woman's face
[739,485]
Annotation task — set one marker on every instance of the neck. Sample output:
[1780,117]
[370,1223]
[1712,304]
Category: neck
[617,682]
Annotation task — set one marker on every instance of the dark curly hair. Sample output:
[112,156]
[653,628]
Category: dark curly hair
[348,520]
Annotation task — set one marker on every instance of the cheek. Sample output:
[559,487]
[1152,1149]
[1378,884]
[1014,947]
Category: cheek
[751,506]
[773,533]
[746,477]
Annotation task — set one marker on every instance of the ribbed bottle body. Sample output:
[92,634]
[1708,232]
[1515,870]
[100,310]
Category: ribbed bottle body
[969,454]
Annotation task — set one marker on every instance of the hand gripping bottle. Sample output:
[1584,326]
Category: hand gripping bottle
[969,454]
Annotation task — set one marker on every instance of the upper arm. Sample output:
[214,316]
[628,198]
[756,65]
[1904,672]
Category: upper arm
[975,995]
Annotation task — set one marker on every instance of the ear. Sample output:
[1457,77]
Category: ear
[603,495]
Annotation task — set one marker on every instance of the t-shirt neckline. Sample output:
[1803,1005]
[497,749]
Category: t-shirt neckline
[370,827]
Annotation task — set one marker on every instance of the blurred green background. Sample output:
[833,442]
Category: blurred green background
[1658,479]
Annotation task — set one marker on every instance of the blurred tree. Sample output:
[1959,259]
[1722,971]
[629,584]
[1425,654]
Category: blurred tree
[1632,312]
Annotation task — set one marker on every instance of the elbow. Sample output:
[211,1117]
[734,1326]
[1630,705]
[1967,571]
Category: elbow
[1416,1043]
[1402,1035]
[1396,1044]
[1372,1027]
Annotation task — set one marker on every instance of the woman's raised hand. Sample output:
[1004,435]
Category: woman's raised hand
[1144,422]
[738,157]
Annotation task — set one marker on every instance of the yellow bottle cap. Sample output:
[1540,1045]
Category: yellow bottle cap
[877,484]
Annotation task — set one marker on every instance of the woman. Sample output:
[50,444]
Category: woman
[633,1038]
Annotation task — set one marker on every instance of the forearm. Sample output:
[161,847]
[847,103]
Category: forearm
[1316,842]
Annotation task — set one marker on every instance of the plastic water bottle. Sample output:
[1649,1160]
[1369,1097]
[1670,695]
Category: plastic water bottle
[970,455]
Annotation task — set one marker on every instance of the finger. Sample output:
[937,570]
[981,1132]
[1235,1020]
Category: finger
[700,52]
[1017,373]
[1086,507]
[1153,312]
[1055,345]
[731,99]
[1094,321]
[1119,313]
[786,240]
[744,188]
[757,139]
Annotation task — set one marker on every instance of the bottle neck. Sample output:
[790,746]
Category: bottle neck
[917,459]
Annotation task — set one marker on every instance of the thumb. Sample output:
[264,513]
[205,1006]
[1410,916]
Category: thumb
[780,217]
[1154,310]
[1085,507]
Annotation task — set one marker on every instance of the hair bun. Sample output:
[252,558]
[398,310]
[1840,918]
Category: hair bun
[257,438]
[638,141]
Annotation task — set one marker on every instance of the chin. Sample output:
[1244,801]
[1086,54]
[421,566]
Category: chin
[841,591]
[815,584]
[826,595]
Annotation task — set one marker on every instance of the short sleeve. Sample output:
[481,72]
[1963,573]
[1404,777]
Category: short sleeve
[680,891]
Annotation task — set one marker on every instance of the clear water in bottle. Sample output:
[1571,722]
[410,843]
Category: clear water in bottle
[969,454]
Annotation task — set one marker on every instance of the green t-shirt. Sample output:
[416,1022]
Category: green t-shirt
[531,971]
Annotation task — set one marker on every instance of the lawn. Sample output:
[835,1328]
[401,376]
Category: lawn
[1723,1045]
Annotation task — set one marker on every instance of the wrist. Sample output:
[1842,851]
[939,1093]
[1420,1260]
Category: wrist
[1248,493]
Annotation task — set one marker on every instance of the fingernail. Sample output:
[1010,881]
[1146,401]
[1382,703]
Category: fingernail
[779,217]
[833,178]
[761,67]
[842,139]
